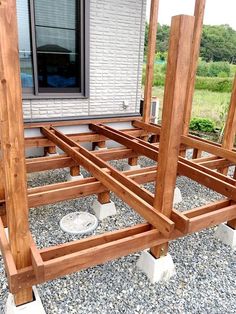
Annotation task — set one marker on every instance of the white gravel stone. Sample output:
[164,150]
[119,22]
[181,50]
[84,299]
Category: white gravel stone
[201,285]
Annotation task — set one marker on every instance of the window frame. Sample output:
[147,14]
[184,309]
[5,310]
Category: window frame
[33,93]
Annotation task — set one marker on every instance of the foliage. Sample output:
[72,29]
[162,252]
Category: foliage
[218,42]
[214,69]
[202,124]
[214,84]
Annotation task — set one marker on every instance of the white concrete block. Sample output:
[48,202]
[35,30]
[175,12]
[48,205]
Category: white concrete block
[128,167]
[227,235]
[74,178]
[100,148]
[34,307]
[177,196]
[157,270]
[52,155]
[103,211]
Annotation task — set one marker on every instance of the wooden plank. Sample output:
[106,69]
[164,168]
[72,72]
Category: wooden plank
[207,208]
[100,254]
[12,143]
[63,161]
[134,200]
[210,181]
[37,262]
[33,125]
[2,197]
[83,244]
[9,262]
[185,167]
[151,53]
[198,25]
[210,148]
[195,142]
[213,218]
[230,127]
[179,58]
[137,145]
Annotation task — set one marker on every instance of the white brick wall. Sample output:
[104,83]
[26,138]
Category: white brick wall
[117,30]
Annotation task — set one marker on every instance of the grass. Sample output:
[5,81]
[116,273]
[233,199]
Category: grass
[206,104]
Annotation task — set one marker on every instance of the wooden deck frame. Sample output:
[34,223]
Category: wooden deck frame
[25,264]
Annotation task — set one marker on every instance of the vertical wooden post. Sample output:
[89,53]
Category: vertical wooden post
[150,60]
[50,150]
[104,198]
[172,117]
[2,193]
[133,161]
[199,15]
[12,143]
[75,171]
[230,127]
[229,135]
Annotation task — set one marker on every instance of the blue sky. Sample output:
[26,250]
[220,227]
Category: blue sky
[217,11]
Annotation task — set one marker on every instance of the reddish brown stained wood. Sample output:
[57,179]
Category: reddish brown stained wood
[104,197]
[6,253]
[165,225]
[199,15]
[12,142]
[37,262]
[172,118]
[75,171]
[230,127]
[150,60]
[213,218]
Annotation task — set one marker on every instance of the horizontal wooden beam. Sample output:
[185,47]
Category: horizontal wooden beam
[33,125]
[88,137]
[64,161]
[94,164]
[194,142]
[213,218]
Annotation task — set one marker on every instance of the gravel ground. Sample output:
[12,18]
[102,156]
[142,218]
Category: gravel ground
[206,268]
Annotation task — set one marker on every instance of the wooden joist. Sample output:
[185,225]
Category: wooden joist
[94,165]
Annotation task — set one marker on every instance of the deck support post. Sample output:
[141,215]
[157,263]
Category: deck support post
[179,58]
[103,206]
[75,174]
[150,60]
[12,144]
[100,145]
[2,194]
[199,16]
[228,143]
[132,164]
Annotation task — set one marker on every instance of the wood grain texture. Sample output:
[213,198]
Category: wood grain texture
[12,142]
[179,58]
[150,60]
[198,25]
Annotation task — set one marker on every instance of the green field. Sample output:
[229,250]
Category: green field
[206,104]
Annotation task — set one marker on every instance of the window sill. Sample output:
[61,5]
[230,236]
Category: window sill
[53,96]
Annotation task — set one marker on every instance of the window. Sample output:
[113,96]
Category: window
[51,46]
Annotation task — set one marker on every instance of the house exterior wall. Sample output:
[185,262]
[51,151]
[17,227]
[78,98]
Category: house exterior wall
[117,29]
